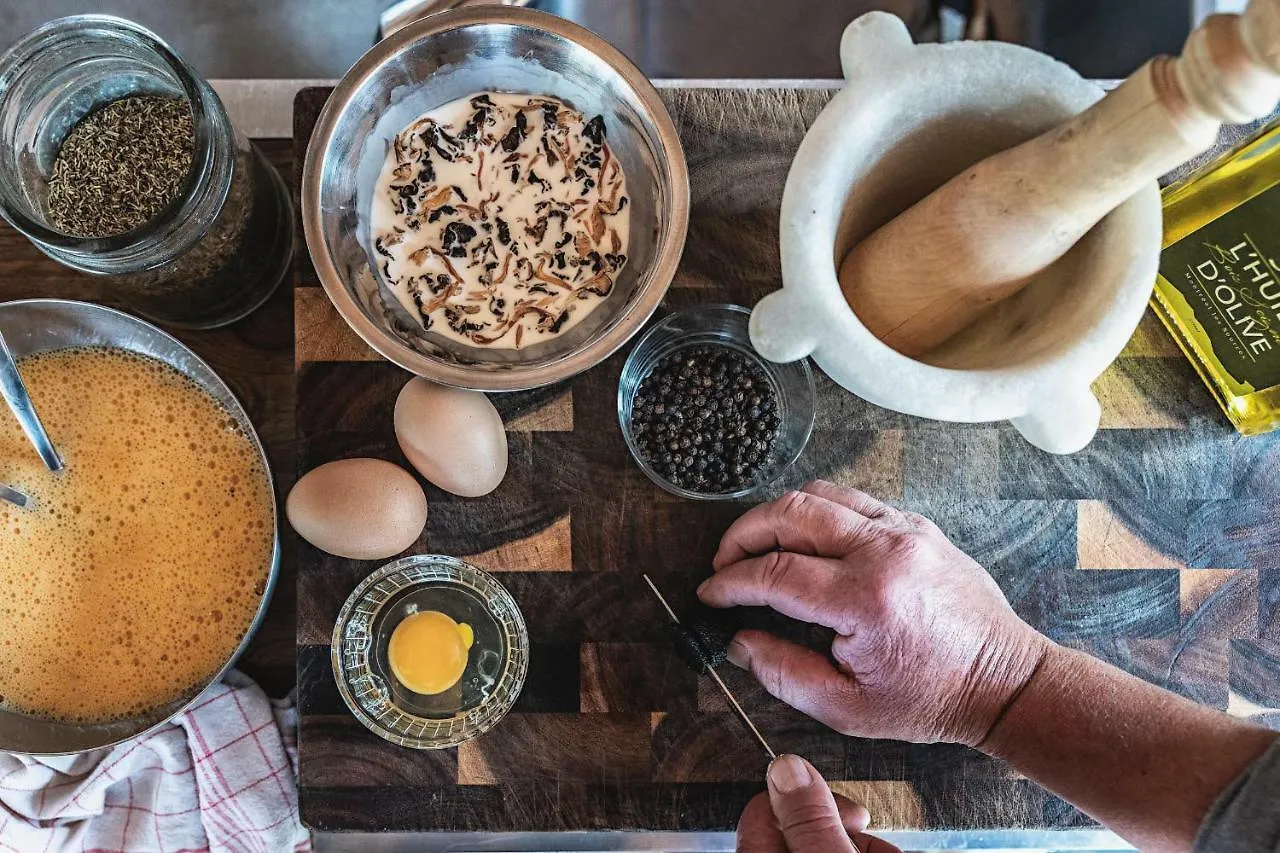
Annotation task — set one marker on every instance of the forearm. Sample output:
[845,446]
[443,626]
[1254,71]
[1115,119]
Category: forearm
[1143,761]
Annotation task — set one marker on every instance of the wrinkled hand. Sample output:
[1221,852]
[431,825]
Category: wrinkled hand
[799,814]
[927,647]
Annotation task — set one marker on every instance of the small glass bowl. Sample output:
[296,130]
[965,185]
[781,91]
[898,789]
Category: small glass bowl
[496,666]
[723,325]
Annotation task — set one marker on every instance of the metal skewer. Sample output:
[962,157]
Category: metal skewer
[715,676]
[724,688]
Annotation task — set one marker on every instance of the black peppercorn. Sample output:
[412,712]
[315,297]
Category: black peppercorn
[705,418]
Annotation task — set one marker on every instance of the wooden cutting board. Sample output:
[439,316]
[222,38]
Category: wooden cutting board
[1157,548]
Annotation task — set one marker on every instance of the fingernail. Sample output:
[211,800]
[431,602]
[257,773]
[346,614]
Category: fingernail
[789,774]
[738,655]
[702,587]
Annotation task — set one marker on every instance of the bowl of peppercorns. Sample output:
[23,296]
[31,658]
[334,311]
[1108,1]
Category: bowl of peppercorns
[706,417]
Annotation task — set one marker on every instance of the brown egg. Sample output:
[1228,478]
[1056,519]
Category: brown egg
[365,509]
[454,438]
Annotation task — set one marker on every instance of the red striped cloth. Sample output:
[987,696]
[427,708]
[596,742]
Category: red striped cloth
[220,777]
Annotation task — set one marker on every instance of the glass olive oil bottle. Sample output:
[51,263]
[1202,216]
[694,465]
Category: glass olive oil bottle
[1219,285]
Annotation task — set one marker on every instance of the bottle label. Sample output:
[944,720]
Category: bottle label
[1229,273]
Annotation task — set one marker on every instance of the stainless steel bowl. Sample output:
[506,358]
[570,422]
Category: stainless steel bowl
[448,56]
[39,325]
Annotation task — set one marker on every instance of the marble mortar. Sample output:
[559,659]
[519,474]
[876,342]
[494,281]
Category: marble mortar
[909,118]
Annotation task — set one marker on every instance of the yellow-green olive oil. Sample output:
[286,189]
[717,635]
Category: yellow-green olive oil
[1219,286]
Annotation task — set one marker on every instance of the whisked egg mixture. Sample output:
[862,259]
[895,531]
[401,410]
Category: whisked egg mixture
[142,564]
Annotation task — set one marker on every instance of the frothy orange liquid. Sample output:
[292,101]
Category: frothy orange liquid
[143,563]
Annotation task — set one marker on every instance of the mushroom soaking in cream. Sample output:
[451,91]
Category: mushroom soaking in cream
[501,220]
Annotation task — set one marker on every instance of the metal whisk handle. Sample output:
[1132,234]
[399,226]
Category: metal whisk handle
[15,394]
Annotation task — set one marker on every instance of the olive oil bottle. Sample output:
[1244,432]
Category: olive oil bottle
[1219,286]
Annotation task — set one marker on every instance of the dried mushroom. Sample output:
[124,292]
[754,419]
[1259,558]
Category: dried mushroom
[508,218]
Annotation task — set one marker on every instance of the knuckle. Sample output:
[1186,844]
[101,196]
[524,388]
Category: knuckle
[842,721]
[836,694]
[773,679]
[819,485]
[882,614]
[922,529]
[773,570]
[904,543]
[915,519]
[880,590]
[928,531]
[793,502]
[773,673]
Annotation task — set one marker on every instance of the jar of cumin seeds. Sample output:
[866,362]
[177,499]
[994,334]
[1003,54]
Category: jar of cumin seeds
[118,159]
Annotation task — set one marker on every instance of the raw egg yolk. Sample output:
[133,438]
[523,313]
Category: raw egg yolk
[428,651]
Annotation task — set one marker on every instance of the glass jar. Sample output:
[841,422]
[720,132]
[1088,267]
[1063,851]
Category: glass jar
[721,326]
[217,250]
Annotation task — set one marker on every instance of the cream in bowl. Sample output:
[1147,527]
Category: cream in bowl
[501,219]
[491,77]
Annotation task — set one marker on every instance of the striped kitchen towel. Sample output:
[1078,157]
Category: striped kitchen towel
[220,777]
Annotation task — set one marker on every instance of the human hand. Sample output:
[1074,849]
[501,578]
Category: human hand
[799,814]
[927,647]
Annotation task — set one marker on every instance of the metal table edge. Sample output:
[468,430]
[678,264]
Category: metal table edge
[1099,841]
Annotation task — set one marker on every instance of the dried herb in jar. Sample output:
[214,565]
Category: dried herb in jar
[121,165]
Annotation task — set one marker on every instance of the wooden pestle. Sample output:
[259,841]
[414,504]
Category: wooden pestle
[989,231]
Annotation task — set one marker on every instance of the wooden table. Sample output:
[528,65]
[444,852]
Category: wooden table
[1157,548]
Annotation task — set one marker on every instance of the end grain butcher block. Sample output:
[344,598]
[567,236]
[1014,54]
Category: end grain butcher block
[1157,548]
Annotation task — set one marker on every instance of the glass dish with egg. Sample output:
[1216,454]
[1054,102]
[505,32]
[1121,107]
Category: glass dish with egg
[429,652]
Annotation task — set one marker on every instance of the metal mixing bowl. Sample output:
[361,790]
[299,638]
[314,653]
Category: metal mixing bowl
[440,59]
[38,325]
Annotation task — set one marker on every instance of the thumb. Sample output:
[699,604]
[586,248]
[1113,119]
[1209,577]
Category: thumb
[799,676]
[805,808]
